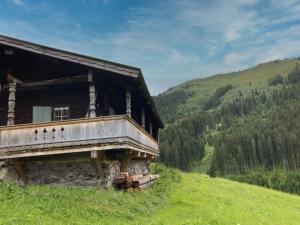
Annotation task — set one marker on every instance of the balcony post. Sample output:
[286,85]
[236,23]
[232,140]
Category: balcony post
[92,107]
[128,102]
[143,119]
[11,103]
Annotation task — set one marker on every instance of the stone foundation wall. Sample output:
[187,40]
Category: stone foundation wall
[111,169]
[75,172]
[9,174]
[64,173]
[138,166]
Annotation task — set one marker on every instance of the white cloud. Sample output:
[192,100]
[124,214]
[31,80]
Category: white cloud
[247,2]
[225,20]
[233,59]
[18,2]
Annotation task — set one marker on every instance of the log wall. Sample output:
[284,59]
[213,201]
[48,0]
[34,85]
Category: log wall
[3,108]
[74,96]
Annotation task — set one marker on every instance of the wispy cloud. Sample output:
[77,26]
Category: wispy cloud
[18,2]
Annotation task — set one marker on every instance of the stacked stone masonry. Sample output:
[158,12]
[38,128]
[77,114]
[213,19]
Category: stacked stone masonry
[79,172]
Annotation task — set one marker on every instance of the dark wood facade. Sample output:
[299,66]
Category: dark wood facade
[37,76]
[74,96]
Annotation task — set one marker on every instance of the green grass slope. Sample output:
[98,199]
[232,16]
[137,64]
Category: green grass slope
[190,96]
[192,199]
[198,199]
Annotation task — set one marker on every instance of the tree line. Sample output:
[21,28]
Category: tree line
[183,143]
[256,130]
[260,132]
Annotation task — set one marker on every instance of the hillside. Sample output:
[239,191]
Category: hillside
[177,198]
[190,97]
[250,119]
[198,199]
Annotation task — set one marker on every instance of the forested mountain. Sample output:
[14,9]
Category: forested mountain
[251,118]
[190,97]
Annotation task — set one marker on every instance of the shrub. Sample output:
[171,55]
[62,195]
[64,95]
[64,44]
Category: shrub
[294,75]
[276,80]
[253,178]
[282,181]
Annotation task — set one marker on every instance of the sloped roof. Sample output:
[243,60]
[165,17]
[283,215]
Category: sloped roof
[89,61]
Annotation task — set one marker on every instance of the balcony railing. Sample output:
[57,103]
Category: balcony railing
[102,133]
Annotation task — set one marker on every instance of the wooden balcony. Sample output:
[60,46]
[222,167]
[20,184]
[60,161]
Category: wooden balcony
[82,135]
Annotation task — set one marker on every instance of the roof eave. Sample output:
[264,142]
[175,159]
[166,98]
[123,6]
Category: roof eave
[150,99]
[70,56]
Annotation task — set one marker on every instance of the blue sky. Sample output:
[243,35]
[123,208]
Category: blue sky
[171,40]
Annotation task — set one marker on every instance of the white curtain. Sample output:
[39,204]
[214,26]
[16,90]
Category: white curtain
[41,114]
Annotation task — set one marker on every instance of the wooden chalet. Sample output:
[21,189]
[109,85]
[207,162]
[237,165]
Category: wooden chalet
[72,119]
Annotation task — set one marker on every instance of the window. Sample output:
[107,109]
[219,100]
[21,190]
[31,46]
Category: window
[61,113]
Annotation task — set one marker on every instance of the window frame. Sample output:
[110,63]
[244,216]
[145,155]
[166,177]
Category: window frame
[61,109]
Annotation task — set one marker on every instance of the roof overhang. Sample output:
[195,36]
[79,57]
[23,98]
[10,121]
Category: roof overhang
[70,56]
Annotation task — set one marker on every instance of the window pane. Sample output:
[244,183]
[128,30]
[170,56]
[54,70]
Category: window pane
[56,112]
[61,113]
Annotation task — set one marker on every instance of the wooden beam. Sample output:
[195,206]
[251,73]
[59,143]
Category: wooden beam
[12,79]
[142,180]
[20,170]
[99,167]
[67,80]
[137,154]
[99,157]
[125,160]
[94,154]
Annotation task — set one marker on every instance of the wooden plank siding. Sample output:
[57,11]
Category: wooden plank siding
[76,99]
[3,108]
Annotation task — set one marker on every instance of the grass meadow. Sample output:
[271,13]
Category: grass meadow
[176,198]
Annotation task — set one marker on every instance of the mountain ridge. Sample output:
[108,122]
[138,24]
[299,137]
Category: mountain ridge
[189,97]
